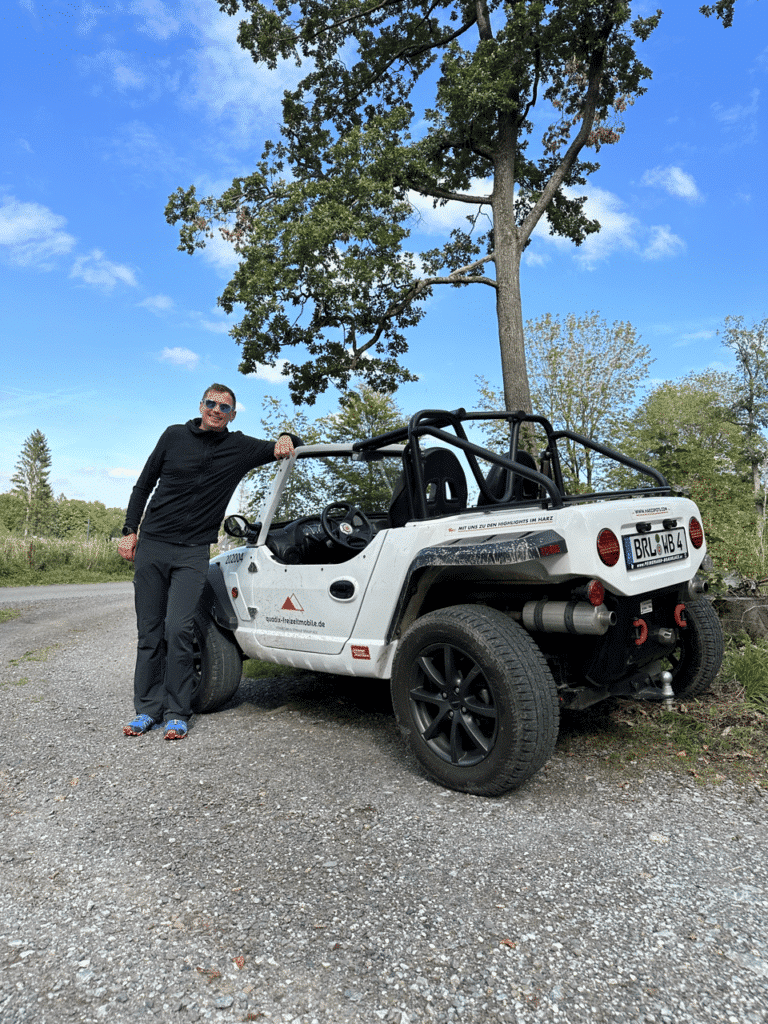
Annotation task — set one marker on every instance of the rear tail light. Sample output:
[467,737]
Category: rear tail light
[595,593]
[608,547]
[695,532]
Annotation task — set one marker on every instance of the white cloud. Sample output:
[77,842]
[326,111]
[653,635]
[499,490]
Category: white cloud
[206,68]
[698,335]
[221,253]
[158,303]
[675,181]
[663,242]
[96,270]
[32,233]
[88,16]
[215,326]
[121,473]
[442,219]
[214,321]
[681,334]
[741,119]
[128,78]
[738,112]
[272,374]
[157,21]
[138,145]
[224,80]
[121,68]
[620,231]
[180,357]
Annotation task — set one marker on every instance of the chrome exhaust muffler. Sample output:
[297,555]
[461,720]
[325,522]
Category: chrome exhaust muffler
[547,616]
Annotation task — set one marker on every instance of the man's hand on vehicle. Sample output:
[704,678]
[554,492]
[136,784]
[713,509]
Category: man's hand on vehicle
[126,547]
[284,447]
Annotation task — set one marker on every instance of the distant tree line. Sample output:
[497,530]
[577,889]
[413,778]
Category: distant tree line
[30,508]
[704,431]
[362,413]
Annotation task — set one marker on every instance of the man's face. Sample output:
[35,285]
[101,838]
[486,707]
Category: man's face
[215,419]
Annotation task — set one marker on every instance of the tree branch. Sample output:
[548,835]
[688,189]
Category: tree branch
[460,276]
[407,54]
[587,120]
[352,17]
[440,193]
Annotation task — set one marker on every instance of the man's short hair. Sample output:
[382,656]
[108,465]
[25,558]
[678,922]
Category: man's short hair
[221,387]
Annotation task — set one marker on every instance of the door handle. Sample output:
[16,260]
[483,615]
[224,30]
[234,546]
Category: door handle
[342,589]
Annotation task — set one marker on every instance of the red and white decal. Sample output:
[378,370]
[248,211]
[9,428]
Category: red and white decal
[292,604]
[361,652]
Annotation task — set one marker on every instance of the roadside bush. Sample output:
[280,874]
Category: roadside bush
[29,561]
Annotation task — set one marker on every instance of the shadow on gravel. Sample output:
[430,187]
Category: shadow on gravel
[345,700]
[340,699]
[576,725]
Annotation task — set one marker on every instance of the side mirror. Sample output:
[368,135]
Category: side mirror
[237,525]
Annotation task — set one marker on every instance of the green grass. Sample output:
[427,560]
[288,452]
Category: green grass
[7,614]
[44,560]
[721,735]
[28,562]
[41,654]
[746,662]
[255,669]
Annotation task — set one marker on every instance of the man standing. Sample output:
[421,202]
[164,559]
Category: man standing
[193,472]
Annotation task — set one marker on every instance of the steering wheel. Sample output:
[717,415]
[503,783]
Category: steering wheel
[345,532]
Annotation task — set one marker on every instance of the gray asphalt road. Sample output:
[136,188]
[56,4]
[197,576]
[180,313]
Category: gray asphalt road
[288,862]
[10,596]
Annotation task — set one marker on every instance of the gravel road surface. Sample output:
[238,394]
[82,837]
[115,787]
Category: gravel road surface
[288,862]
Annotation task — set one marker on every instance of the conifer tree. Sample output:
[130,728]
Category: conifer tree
[30,481]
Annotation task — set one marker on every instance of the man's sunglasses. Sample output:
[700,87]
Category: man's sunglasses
[224,406]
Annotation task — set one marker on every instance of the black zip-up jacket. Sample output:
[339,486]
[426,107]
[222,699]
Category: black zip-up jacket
[198,471]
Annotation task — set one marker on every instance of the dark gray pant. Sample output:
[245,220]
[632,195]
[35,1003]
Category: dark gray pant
[168,582]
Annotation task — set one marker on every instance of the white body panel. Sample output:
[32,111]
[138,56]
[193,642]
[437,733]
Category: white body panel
[288,615]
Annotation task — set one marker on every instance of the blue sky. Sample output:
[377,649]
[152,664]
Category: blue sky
[109,333]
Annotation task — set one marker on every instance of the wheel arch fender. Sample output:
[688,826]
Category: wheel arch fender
[215,601]
[426,566]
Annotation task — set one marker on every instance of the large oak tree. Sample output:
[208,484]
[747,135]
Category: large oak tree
[484,103]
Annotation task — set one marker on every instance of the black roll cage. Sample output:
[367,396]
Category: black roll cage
[431,423]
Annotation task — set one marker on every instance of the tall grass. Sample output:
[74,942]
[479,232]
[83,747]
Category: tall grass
[27,561]
[746,663]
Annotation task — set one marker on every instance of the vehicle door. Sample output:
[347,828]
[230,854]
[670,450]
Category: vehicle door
[309,607]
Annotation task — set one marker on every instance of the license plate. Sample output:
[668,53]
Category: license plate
[644,549]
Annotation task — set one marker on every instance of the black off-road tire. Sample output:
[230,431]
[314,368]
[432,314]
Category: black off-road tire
[699,654]
[218,666]
[475,698]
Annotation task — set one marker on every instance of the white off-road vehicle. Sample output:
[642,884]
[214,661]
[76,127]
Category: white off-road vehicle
[486,594]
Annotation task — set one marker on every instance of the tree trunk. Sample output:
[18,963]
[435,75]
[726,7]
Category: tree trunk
[509,306]
[509,310]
